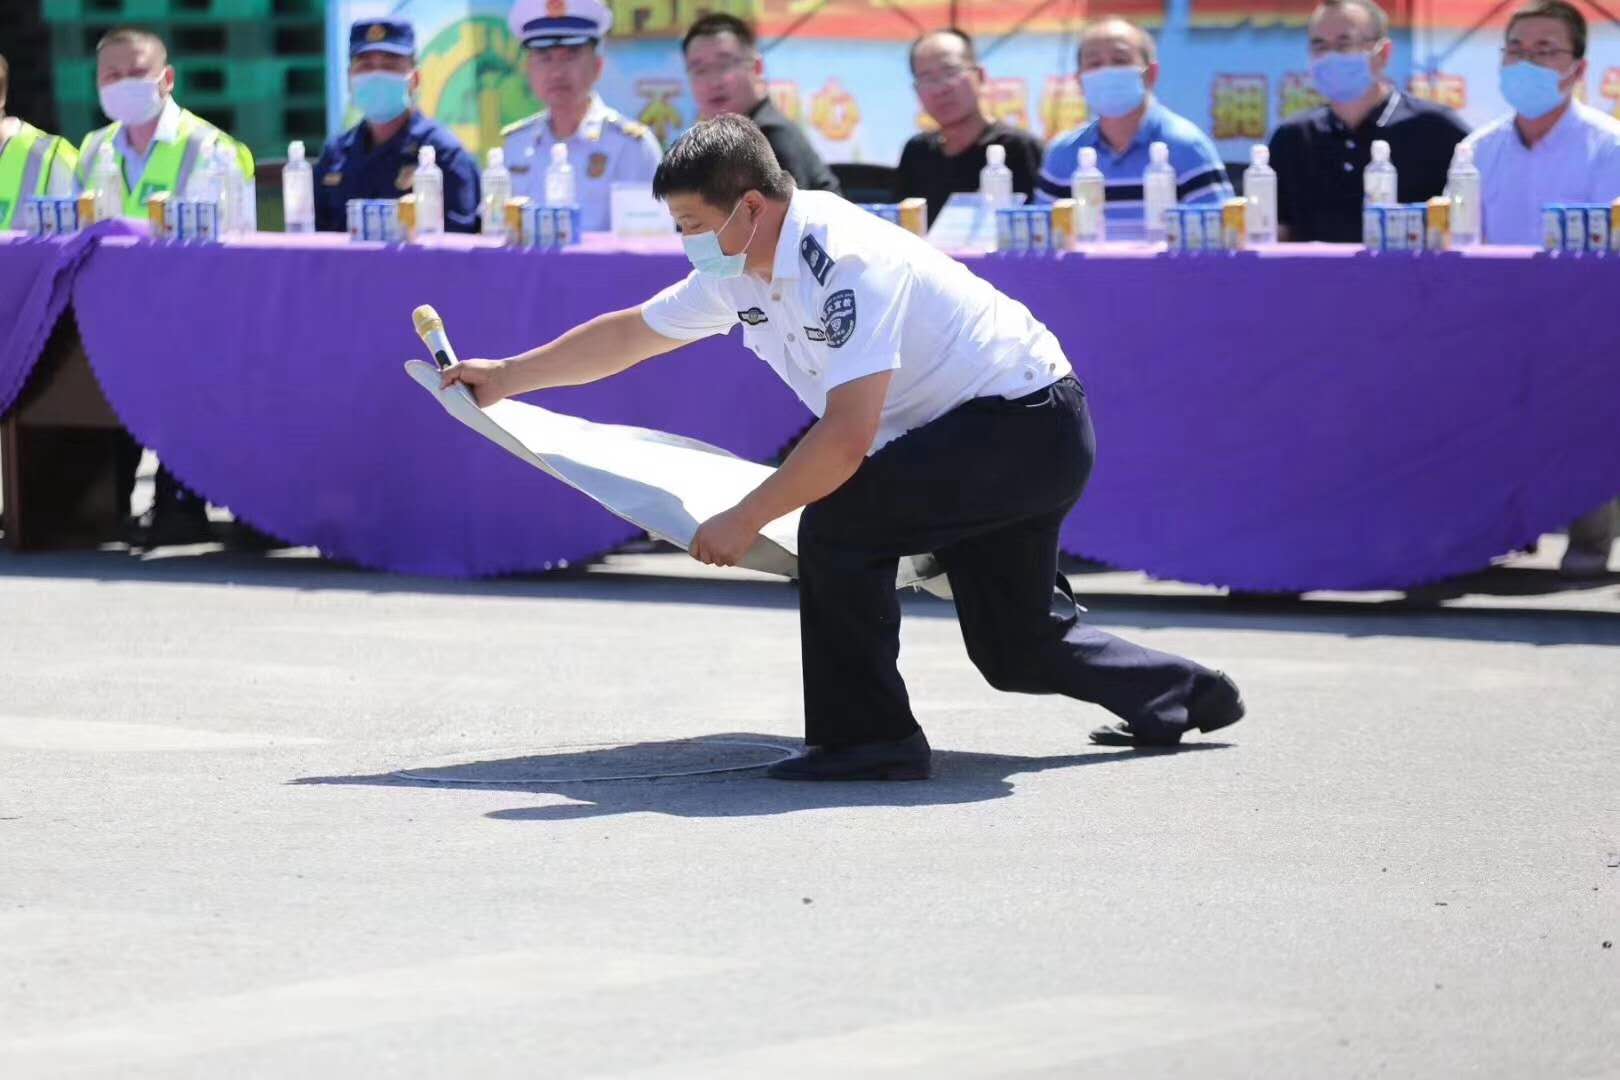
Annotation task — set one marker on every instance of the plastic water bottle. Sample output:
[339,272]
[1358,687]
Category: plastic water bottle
[1158,192]
[428,187]
[207,183]
[1379,180]
[104,178]
[231,216]
[298,191]
[497,184]
[560,178]
[995,179]
[1462,185]
[1090,192]
[1260,190]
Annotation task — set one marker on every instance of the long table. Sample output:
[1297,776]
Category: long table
[1301,418]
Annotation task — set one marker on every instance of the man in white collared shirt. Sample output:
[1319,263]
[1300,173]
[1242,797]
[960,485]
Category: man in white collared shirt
[562,42]
[1551,149]
[949,423]
[158,145]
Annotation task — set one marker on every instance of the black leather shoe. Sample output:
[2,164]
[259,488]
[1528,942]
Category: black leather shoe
[1218,705]
[166,526]
[901,759]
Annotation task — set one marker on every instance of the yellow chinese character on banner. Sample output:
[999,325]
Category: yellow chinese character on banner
[1238,105]
[1063,106]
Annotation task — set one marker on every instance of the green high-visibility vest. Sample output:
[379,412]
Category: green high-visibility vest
[169,166]
[25,167]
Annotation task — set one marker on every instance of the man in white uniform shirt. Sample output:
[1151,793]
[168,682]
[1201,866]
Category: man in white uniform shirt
[1551,149]
[950,422]
[562,42]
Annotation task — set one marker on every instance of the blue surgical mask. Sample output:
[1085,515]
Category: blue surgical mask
[1113,91]
[1343,77]
[704,252]
[381,96]
[1531,89]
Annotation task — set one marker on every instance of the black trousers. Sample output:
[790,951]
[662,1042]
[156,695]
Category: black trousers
[985,488]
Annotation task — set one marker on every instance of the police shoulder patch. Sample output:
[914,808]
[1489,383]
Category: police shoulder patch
[814,333]
[753,316]
[518,125]
[838,317]
[816,258]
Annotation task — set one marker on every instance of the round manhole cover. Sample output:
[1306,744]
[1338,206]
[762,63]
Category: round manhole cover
[579,763]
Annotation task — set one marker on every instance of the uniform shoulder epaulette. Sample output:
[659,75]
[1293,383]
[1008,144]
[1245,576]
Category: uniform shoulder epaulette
[518,125]
[632,128]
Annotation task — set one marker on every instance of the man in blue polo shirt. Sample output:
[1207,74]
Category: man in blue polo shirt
[376,159]
[1119,67]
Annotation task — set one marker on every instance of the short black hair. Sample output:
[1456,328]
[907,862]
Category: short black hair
[134,35]
[1564,12]
[716,23]
[721,160]
[948,31]
[1375,12]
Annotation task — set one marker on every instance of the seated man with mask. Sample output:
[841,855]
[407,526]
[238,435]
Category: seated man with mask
[376,159]
[1320,155]
[1119,67]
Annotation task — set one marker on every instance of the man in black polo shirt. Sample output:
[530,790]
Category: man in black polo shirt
[935,165]
[728,76]
[1319,156]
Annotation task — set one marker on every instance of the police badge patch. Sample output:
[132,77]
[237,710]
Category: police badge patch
[596,166]
[816,258]
[814,333]
[753,316]
[838,316]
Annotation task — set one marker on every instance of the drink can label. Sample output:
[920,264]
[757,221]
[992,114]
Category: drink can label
[1004,230]
[546,233]
[1018,223]
[1574,229]
[1413,218]
[1214,226]
[1175,233]
[29,220]
[1552,228]
[1372,228]
[1597,230]
[207,215]
[1040,230]
[352,214]
[565,226]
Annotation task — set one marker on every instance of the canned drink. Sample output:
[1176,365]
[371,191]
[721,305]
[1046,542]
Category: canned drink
[207,223]
[1194,237]
[546,231]
[67,215]
[1214,225]
[1040,230]
[1234,224]
[87,208]
[1412,217]
[914,216]
[1372,228]
[566,218]
[1552,228]
[1063,221]
[1597,230]
[185,219]
[352,217]
[517,219]
[1004,230]
[1574,229]
[1614,228]
[1437,230]
[28,217]
[1175,232]
[1395,228]
[407,218]
[1019,223]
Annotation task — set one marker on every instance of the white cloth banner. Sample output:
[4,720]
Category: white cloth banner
[665,484]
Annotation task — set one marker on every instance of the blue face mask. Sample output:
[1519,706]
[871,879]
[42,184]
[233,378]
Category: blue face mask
[1113,91]
[704,252]
[1343,77]
[381,96]
[1531,89]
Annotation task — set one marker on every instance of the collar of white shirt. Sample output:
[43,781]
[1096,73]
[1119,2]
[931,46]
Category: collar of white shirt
[168,130]
[790,239]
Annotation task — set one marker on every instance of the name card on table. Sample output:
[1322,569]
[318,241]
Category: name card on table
[967,222]
[634,212]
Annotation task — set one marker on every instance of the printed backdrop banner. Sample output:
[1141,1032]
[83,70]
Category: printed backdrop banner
[838,67]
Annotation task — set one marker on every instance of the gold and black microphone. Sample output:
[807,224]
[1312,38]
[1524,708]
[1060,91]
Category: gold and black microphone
[430,328]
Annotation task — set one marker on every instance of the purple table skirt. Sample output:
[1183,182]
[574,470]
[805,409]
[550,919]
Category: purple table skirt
[1302,419]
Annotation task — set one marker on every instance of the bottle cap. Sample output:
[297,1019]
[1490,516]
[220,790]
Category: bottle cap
[1088,157]
[1463,155]
[559,153]
[1159,154]
[995,154]
[105,152]
[295,150]
[497,157]
[1380,151]
[1260,155]
[427,156]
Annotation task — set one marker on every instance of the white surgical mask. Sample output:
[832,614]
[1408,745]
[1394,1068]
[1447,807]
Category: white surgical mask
[706,256]
[132,101]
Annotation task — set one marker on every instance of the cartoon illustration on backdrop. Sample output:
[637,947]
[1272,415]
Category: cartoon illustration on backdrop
[660,113]
[1448,90]
[1297,94]
[473,81]
[1007,100]
[1238,107]
[1609,88]
[787,99]
[834,112]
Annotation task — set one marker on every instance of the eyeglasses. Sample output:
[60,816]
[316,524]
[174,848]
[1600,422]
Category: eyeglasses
[1547,57]
[717,70]
[936,79]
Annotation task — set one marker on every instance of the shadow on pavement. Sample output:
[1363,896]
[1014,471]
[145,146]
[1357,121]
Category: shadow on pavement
[959,777]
